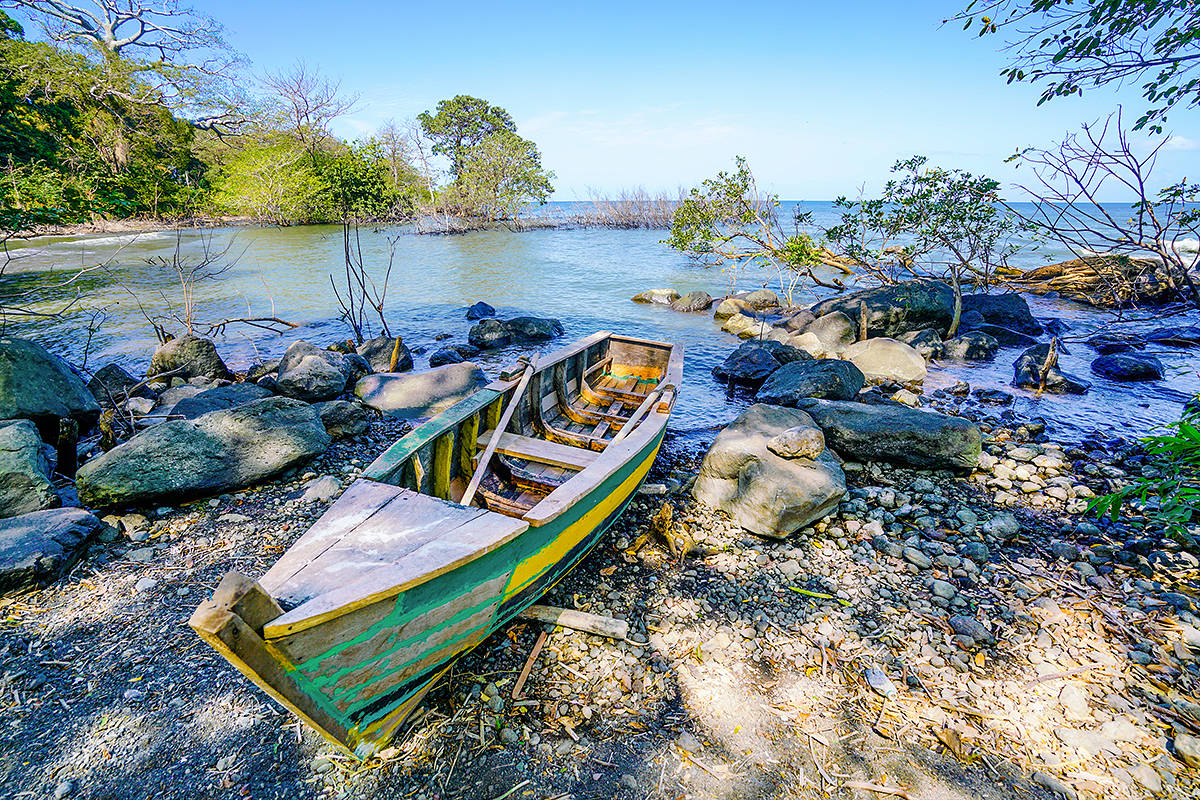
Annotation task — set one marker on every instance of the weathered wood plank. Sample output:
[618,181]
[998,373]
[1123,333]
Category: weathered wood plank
[443,455]
[532,449]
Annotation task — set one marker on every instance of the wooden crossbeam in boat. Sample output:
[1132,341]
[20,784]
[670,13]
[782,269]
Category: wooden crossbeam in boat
[527,447]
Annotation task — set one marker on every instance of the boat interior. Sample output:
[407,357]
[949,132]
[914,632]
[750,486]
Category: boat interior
[545,434]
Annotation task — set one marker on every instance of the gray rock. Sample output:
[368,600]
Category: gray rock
[1009,310]
[828,378]
[491,334]
[972,346]
[755,361]
[969,626]
[927,342]
[479,311]
[762,298]
[342,418]
[216,399]
[898,435]
[188,357]
[663,297]
[1128,367]
[42,545]
[918,559]
[943,589]
[835,330]
[24,470]
[976,551]
[730,306]
[898,308]
[1187,749]
[35,384]
[311,373]
[379,351]
[762,492]
[798,442]
[882,360]
[797,321]
[222,450]
[1005,337]
[693,301]
[444,356]
[326,487]
[1004,526]
[113,385]
[1027,374]
[421,394]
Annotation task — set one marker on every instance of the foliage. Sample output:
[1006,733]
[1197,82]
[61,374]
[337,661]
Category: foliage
[1066,45]
[501,176]
[461,124]
[356,180]
[1171,498]
[728,221]
[270,180]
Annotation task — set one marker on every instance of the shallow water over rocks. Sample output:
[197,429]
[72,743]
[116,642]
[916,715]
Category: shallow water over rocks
[585,278]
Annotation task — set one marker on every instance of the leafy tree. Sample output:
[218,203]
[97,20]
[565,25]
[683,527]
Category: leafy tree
[728,221]
[271,181]
[501,176]
[357,182]
[461,124]
[1065,45]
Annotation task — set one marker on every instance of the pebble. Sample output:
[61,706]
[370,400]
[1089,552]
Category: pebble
[64,789]
[917,558]
[145,585]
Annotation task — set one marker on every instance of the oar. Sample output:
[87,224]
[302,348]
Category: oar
[488,451]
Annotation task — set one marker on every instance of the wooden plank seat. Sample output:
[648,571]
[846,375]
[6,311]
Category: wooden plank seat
[605,388]
[540,450]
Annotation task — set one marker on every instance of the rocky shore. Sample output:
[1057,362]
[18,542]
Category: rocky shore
[927,611]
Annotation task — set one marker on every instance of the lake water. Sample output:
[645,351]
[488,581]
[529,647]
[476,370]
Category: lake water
[582,277]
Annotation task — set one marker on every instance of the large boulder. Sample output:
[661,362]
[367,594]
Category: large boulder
[899,308]
[217,452]
[662,297]
[112,386]
[188,357]
[41,546]
[24,470]
[1008,310]
[882,360]
[754,362]
[420,394]
[971,346]
[763,492]
[342,418]
[730,306]
[762,298]
[1028,374]
[835,330]
[491,334]
[215,399]
[1128,367]
[35,384]
[693,301]
[829,378]
[311,373]
[897,434]
[380,351]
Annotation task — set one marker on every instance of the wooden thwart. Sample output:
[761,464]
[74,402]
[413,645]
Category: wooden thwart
[531,449]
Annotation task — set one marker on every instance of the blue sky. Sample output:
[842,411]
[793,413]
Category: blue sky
[820,96]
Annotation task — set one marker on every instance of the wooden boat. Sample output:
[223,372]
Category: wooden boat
[453,531]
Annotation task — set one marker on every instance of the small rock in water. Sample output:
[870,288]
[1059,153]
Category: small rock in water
[880,682]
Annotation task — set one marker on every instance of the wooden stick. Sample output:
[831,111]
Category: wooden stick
[641,411]
[524,676]
[486,458]
[578,620]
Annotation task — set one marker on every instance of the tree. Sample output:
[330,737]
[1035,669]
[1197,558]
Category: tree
[1065,45]
[356,180]
[944,221]
[307,103]
[728,221]
[1068,179]
[461,124]
[270,181]
[501,176]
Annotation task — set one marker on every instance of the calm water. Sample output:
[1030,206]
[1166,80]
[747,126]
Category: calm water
[583,277]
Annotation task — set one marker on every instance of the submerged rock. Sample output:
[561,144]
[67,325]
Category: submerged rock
[972,346]
[40,546]
[188,357]
[883,360]
[1008,310]
[828,378]
[898,308]
[35,384]
[420,394]
[896,434]
[1127,367]
[1180,336]
[764,492]
[1027,374]
[380,351]
[491,334]
[478,311]
[24,470]
[662,297]
[1006,337]
[1106,343]
[219,451]
[693,301]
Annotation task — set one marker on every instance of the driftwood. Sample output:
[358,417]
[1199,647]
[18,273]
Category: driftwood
[578,620]
[1103,281]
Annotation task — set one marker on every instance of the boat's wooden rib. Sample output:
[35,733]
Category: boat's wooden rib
[354,623]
